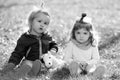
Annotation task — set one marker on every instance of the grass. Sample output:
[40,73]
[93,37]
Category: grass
[106,17]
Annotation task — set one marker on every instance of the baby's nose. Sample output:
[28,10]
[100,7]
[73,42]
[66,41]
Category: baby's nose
[42,25]
[81,36]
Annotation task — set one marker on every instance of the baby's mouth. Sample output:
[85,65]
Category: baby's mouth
[41,28]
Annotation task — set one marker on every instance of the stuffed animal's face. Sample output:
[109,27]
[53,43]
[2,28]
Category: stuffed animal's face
[51,61]
[47,60]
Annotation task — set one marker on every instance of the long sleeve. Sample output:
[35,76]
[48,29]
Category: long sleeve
[95,56]
[18,52]
[51,42]
[68,53]
[52,45]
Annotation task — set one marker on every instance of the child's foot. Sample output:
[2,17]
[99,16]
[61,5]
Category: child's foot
[99,72]
[35,68]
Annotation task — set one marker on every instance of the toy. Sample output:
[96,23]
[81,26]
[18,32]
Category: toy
[52,62]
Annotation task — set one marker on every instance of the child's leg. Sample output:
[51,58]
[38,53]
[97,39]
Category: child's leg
[24,68]
[7,68]
[35,68]
[74,68]
[99,72]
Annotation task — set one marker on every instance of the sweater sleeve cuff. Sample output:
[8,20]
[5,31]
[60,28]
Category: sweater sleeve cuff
[54,49]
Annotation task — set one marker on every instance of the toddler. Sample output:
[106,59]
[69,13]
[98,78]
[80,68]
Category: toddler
[31,46]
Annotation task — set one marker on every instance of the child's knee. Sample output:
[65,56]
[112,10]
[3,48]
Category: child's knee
[100,71]
[74,68]
[73,65]
[36,65]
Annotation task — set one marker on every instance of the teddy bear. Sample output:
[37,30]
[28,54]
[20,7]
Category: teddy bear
[57,66]
[52,62]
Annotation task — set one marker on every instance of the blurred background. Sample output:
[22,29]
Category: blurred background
[105,16]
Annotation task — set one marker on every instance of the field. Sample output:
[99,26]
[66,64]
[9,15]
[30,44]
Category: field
[105,15]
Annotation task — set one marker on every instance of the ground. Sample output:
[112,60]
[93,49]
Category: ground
[105,15]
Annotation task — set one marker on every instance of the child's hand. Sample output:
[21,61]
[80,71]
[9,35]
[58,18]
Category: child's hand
[83,65]
[53,51]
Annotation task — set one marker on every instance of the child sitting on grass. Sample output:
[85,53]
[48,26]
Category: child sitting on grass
[32,45]
[81,53]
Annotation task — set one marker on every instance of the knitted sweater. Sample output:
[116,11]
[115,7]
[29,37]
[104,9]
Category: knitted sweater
[28,41]
[72,52]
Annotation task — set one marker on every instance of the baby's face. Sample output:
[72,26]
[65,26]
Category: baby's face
[82,35]
[40,23]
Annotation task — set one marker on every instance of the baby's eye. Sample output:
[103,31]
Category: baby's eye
[46,23]
[78,32]
[85,33]
[39,21]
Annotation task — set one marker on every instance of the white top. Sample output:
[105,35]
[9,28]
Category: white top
[72,52]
